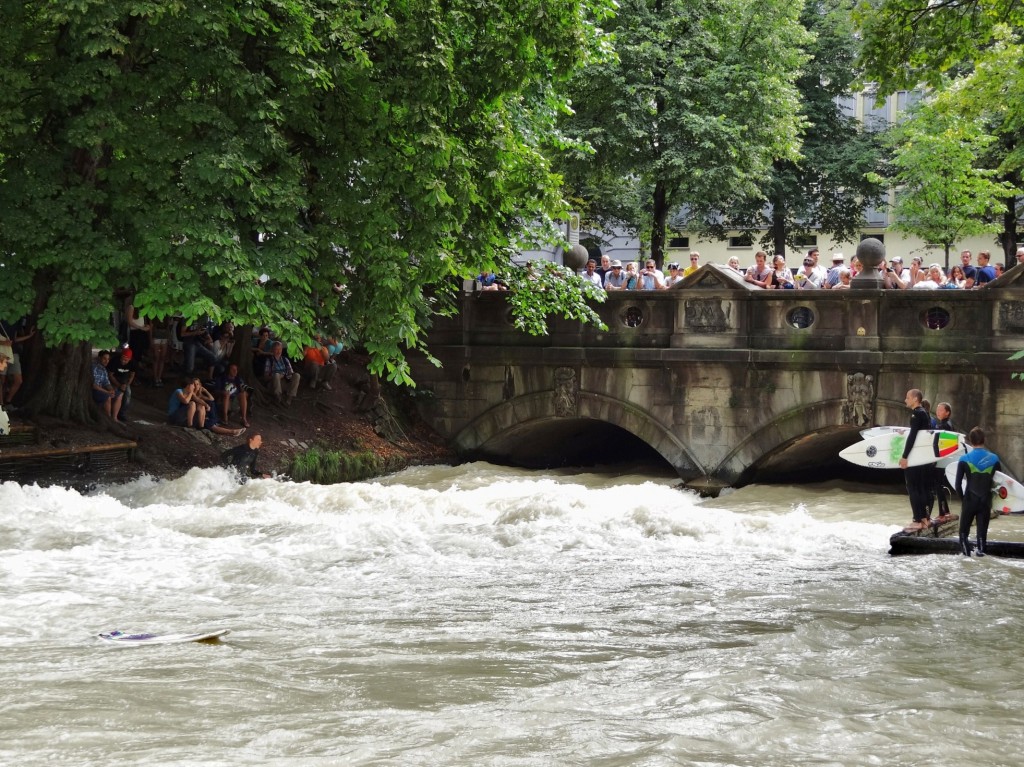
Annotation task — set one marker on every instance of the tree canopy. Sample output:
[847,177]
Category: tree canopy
[692,110]
[909,42]
[363,155]
[969,53]
[827,188]
[941,194]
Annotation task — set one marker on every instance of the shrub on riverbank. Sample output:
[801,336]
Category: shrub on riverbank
[323,466]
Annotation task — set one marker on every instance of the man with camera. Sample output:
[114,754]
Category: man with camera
[894,275]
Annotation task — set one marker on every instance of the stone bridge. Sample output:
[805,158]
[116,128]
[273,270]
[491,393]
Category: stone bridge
[728,383]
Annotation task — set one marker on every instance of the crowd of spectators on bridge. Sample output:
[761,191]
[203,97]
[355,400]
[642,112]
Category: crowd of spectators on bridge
[612,275]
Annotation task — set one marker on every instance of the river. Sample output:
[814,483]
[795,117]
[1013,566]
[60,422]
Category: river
[480,615]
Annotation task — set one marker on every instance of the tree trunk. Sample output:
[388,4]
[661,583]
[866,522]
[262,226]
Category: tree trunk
[65,387]
[778,228]
[1008,237]
[241,354]
[659,224]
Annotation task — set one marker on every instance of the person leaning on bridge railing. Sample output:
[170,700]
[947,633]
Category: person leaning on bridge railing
[675,274]
[760,273]
[616,278]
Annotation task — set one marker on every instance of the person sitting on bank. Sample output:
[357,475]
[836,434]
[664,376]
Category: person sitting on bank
[317,364]
[183,405]
[243,458]
[978,467]
[103,391]
[191,405]
[280,372]
[229,388]
[12,337]
[262,351]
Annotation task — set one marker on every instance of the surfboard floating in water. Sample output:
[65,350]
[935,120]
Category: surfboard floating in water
[885,450]
[126,638]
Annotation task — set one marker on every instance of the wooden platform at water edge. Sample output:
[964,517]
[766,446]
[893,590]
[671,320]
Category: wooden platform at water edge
[943,538]
[26,458]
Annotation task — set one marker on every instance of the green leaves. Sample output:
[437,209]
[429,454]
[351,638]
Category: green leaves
[364,156]
[825,189]
[697,105]
[942,194]
[543,289]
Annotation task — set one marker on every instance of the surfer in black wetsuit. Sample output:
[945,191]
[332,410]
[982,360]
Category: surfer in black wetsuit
[979,467]
[943,412]
[918,478]
[244,457]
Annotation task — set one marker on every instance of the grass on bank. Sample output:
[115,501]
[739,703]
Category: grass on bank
[322,466]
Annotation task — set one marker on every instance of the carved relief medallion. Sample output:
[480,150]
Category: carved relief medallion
[1011,316]
[707,315]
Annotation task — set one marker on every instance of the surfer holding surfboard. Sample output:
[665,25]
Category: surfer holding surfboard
[918,478]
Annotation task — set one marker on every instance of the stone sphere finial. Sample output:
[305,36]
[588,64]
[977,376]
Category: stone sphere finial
[576,257]
[870,253]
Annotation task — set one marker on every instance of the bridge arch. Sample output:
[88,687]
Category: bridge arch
[490,434]
[812,434]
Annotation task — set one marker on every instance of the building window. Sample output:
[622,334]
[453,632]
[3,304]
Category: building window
[876,216]
[679,242]
[801,318]
[632,317]
[804,241]
[847,105]
[879,237]
[876,116]
[906,99]
[741,241]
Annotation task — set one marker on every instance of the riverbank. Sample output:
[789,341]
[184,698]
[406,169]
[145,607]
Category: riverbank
[352,418]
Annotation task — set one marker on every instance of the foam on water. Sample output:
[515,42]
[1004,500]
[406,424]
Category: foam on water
[475,615]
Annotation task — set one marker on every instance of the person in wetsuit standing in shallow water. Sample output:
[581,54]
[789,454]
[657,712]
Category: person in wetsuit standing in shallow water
[979,467]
